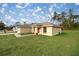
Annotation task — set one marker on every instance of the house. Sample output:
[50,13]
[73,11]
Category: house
[45,29]
[25,28]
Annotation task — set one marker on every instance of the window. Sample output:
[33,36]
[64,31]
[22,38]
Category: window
[44,29]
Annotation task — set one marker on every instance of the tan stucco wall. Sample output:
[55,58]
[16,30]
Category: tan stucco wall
[56,31]
[15,29]
[52,31]
[40,31]
[49,31]
[18,30]
[35,30]
[24,30]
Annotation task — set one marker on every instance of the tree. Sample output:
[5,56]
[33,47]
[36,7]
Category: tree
[2,26]
[17,24]
[67,19]
[54,16]
[70,18]
[76,16]
[70,14]
[62,15]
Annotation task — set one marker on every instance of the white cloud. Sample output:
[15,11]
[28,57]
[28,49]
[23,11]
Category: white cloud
[2,10]
[63,4]
[34,11]
[48,15]
[21,14]
[7,17]
[4,5]
[38,9]
[76,3]
[58,7]
[20,5]
[44,18]
[42,12]
[37,17]
[13,20]
[27,15]
[51,9]
[54,4]
[78,10]
[23,19]
[40,18]
[44,7]
[33,14]
[52,14]
[12,12]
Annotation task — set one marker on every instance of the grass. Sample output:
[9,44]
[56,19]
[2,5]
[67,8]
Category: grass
[25,33]
[66,44]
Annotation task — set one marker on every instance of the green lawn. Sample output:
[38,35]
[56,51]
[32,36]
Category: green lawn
[64,44]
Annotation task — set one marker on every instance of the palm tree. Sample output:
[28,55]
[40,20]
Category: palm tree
[70,14]
[17,24]
[76,16]
[63,15]
[63,19]
[70,18]
[54,16]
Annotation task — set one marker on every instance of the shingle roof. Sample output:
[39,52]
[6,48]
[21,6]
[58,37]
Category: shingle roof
[25,26]
[45,24]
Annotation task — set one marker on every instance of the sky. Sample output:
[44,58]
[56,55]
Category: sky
[10,13]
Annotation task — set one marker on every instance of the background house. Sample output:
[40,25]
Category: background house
[45,29]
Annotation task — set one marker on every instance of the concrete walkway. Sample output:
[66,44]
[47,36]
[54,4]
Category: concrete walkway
[17,35]
[6,33]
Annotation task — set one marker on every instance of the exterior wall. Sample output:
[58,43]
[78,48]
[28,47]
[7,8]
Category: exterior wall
[33,29]
[15,29]
[48,32]
[18,30]
[41,31]
[56,31]
[24,30]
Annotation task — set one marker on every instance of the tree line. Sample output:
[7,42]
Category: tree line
[4,27]
[69,20]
